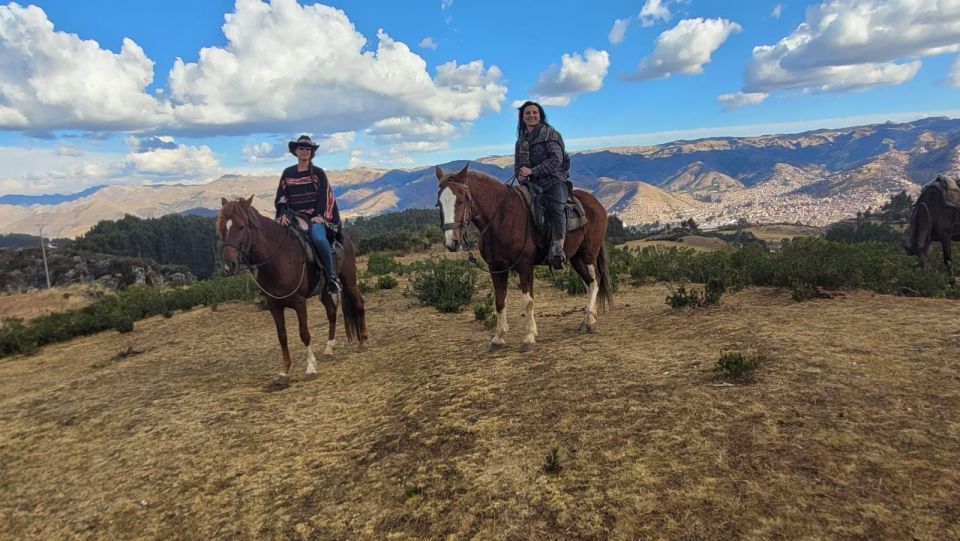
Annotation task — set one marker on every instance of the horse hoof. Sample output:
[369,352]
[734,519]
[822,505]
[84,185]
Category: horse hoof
[279,384]
[526,346]
[362,347]
[310,377]
[591,329]
[495,347]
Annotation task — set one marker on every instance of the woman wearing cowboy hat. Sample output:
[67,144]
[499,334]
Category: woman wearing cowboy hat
[305,190]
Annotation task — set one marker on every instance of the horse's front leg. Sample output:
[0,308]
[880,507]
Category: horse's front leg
[330,305]
[278,319]
[301,310]
[500,302]
[529,322]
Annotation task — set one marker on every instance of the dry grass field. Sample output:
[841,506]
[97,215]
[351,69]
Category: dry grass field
[778,232]
[40,302]
[695,242]
[849,430]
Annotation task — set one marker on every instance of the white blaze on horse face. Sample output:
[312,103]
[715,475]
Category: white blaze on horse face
[448,203]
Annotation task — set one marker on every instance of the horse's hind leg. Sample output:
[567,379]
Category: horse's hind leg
[589,274]
[330,305]
[278,319]
[311,373]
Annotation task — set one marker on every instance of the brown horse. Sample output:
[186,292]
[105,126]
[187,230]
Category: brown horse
[933,220]
[508,242]
[280,268]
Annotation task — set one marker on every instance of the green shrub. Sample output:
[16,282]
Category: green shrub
[551,462]
[565,279]
[365,287]
[681,297]
[446,284]
[386,282]
[736,365]
[801,291]
[380,264]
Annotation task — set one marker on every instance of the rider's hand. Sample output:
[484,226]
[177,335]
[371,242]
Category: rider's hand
[525,172]
[318,220]
[284,220]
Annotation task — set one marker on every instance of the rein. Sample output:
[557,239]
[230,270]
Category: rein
[466,240]
[254,266]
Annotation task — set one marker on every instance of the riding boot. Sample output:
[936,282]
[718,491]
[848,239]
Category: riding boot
[556,257]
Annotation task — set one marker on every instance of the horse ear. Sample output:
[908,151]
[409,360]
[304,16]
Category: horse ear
[464,170]
[249,200]
[439,173]
[223,201]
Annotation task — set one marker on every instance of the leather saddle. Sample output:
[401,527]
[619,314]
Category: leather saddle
[537,203]
[301,230]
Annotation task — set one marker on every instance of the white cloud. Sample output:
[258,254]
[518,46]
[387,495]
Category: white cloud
[684,48]
[428,43]
[618,31]
[577,74]
[406,129]
[653,11]
[181,162]
[846,45]
[777,11]
[740,99]
[445,4]
[255,83]
[953,77]
[52,80]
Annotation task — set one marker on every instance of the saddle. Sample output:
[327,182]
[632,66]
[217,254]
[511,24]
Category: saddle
[301,229]
[537,203]
[949,188]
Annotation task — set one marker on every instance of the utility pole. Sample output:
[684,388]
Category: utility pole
[43,250]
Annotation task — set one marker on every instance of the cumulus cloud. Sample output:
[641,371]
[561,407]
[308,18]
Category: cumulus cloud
[684,48]
[653,11]
[576,74]
[180,162]
[953,77]
[618,31]
[737,100]
[251,84]
[428,43]
[777,11]
[41,70]
[445,4]
[346,88]
[847,45]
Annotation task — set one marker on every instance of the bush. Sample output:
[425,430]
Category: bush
[565,279]
[736,365]
[696,298]
[380,264]
[482,311]
[446,284]
[365,287]
[386,282]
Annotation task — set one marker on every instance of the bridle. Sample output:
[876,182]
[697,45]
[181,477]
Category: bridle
[467,217]
[246,264]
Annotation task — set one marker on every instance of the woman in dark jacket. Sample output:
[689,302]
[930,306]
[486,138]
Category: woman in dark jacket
[305,190]
[540,158]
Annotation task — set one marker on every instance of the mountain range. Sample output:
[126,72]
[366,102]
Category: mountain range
[815,177]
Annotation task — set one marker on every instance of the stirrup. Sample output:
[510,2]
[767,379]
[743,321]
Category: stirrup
[334,287]
[556,257]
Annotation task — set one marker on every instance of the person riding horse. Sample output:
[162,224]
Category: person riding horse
[305,191]
[541,159]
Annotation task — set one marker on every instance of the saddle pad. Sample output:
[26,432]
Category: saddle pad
[576,216]
[949,189]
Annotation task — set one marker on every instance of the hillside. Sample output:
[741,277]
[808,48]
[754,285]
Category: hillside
[815,177]
[849,430]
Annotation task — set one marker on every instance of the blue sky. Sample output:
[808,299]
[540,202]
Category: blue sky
[110,92]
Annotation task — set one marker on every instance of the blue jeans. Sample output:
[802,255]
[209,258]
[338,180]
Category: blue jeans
[318,234]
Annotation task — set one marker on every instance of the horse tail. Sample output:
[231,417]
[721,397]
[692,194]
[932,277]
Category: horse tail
[605,296]
[354,314]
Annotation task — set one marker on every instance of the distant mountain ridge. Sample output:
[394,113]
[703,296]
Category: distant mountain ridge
[814,177]
[52,199]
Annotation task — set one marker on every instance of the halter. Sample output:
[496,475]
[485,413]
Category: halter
[247,266]
[467,218]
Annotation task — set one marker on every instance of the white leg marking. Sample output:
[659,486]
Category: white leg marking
[500,334]
[329,349]
[530,332]
[311,362]
[448,202]
[590,314]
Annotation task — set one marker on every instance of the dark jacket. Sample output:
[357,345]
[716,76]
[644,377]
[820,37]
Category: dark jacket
[542,150]
[307,193]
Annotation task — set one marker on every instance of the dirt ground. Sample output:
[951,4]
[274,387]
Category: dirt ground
[850,429]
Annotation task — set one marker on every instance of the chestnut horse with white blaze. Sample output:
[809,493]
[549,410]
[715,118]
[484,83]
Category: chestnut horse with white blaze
[279,264]
[509,242]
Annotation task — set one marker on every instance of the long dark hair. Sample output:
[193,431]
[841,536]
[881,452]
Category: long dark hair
[520,125]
